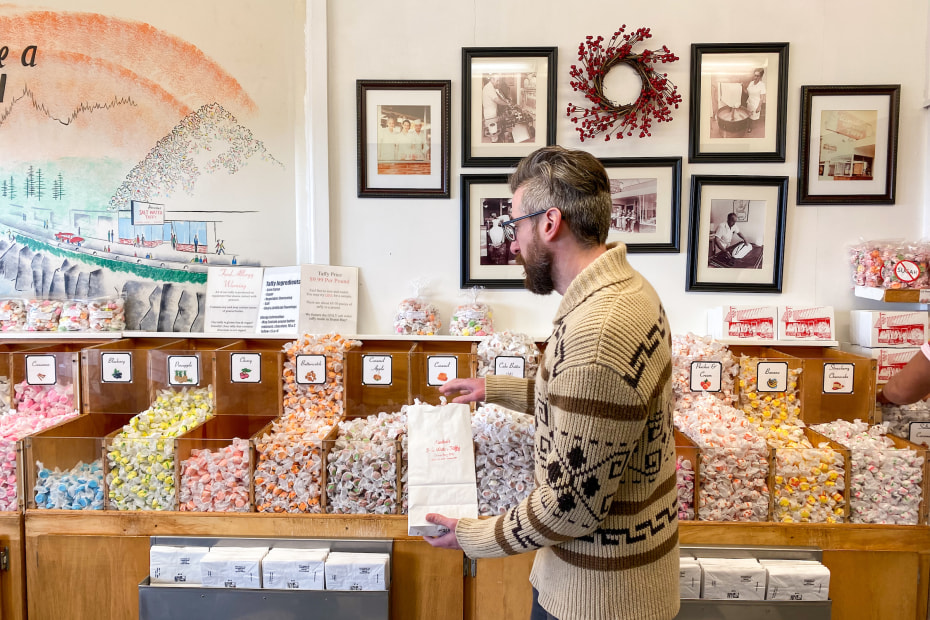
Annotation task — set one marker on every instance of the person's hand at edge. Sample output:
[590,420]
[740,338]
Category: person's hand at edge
[469,390]
[447,540]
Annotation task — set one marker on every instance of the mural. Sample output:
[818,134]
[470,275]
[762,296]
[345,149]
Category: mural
[131,161]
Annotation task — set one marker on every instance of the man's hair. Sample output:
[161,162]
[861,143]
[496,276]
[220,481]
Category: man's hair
[574,182]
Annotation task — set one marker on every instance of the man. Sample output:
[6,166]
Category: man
[603,515]
[420,143]
[723,236]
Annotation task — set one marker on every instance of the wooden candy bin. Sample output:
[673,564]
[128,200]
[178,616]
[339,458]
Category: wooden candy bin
[115,374]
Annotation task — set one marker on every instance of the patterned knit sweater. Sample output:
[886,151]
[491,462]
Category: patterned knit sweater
[603,514]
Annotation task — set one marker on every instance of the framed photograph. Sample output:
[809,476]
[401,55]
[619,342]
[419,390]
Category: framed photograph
[848,144]
[646,197]
[508,103]
[729,255]
[739,93]
[403,138]
[486,256]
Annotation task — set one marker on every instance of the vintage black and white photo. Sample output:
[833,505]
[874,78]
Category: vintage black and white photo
[645,195]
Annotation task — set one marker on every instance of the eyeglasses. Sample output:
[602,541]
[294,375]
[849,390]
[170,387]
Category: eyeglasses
[510,226]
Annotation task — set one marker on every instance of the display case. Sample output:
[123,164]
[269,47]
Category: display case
[432,363]
[115,374]
[377,377]
[47,378]
[688,458]
[247,377]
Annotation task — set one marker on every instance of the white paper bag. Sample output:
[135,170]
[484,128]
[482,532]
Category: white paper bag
[441,466]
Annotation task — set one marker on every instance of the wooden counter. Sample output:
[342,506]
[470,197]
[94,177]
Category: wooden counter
[84,565]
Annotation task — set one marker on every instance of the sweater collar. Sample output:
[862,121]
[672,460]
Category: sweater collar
[608,268]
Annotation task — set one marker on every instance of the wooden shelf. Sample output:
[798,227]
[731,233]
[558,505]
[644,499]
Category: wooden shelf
[894,295]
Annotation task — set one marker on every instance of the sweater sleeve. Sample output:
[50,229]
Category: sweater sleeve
[598,419]
[510,392]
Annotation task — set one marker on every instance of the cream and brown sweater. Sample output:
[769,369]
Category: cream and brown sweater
[603,514]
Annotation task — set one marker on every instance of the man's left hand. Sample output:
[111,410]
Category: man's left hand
[447,540]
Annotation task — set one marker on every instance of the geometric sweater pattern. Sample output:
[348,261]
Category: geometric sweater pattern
[603,515]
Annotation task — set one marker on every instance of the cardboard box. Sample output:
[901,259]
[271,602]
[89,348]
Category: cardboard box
[871,328]
[807,323]
[890,360]
[743,323]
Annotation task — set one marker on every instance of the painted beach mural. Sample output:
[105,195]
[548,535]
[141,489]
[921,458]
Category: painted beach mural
[131,160]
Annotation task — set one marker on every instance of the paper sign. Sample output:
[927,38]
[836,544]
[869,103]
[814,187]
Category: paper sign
[705,376]
[510,365]
[233,296]
[838,378]
[41,370]
[311,369]
[441,368]
[116,368]
[245,367]
[280,301]
[919,432]
[772,376]
[377,370]
[183,370]
[328,299]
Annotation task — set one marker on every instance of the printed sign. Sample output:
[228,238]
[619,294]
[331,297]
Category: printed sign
[441,368]
[705,376]
[377,369]
[510,365]
[245,367]
[311,369]
[838,378]
[919,432]
[772,376]
[906,270]
[41,370]
[183,370]
[116,368]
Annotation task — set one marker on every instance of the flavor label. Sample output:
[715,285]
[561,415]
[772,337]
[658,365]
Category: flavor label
[245,367]
[705,376]
[772,376]
[838,378]
[377,369]
[510,365]
[183,370]
[441,368]
[41,370]
[311,369]
[116,368]
[919,432]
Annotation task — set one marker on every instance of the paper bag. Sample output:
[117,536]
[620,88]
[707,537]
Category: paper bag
[440,466]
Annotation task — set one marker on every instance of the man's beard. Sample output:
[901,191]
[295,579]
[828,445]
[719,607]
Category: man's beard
[537,263]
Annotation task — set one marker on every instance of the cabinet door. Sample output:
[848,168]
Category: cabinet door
[500,589]
[427,582]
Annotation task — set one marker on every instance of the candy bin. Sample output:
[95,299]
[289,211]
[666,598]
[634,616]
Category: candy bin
[909,421]
[508,353]
[362,464]
[115,374]
[247,376]
[63,465]
[216,464]
[734,459]
[185,363]
[377,377]
[290,475]
[45,379]
[687,463]
[141,467]
[702,364]
[809,479]
[6,370]
[504,466]
[769,388]
[888,474]
[432,363]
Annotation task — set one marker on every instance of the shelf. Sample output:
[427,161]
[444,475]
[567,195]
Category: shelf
[758,342]
[892,295]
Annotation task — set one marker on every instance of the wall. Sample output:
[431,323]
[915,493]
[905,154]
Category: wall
[395,241]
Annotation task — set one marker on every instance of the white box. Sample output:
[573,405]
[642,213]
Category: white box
[689,578]
[757,323]
[798,582]
[890,361]
[733,580]
[294,569]
[175,565]
[871,328]
[358,571]
[808,323]
[232,567]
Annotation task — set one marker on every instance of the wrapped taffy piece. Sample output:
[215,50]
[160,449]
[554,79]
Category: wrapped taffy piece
[289,468]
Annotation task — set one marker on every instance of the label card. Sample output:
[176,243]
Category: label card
[919,432]
[377,370]
[441,368]
[116,367]
[772,376]
[311,369]
[245,367]
[183,370]
[41,370]
[838,378]
[510,365]
[705,376]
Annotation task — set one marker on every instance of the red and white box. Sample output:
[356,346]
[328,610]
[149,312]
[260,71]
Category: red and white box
[809,323]
[872,328]
[757,323]
[890,361]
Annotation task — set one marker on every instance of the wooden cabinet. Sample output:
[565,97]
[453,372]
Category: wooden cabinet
[12,580]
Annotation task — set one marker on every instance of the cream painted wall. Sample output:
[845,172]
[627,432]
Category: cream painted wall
[394,241]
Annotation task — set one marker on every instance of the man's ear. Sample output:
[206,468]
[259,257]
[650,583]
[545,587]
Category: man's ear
[552,224]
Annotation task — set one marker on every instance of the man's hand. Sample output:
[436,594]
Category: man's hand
[470,390]
[447,540]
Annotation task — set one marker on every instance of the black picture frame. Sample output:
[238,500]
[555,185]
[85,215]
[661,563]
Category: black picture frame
[859,119]
[493,135]
[485,198]
[723,75]
[414,167]
[736,269]
[646,213]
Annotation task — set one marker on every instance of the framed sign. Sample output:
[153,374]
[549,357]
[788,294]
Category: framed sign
[645,194]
